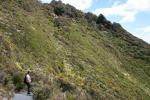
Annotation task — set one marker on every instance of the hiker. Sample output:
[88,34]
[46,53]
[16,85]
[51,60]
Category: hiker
[27,81]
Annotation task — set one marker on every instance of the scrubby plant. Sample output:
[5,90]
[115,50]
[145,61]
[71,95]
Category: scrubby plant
[90,17]
[18,81]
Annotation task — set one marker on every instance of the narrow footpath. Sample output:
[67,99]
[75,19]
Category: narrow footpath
[23,96]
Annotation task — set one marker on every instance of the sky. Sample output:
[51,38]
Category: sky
[133,15]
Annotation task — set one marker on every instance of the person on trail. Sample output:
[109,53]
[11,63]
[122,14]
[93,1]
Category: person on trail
[27,81]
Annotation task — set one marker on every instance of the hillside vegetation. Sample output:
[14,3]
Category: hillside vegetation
[72,55]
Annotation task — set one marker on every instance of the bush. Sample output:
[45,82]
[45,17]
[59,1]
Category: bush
[7,79]
[43,94]
[104,23]
[61,22]
[61,9]
[116,27]
[101,19]
[29,5]
[18,81]
[73,12]
[90,17]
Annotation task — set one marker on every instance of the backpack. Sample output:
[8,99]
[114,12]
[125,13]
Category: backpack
[25,79]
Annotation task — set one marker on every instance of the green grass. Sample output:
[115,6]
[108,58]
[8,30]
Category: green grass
[97,64]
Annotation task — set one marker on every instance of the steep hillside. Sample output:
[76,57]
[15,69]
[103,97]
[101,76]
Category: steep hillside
[72,55]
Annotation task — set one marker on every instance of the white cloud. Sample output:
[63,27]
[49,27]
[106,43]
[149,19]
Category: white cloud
[116,3]
[79,4]
[127,10]
[144,33]
[145,29]
[144,36]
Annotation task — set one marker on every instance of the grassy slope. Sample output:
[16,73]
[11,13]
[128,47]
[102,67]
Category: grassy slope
[98,64]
